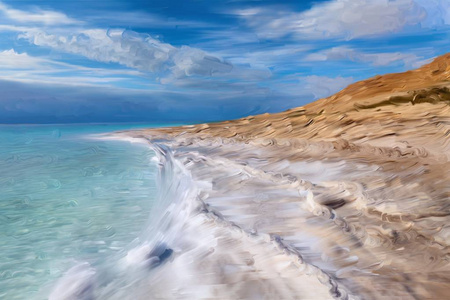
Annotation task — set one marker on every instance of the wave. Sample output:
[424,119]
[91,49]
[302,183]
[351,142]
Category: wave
[125,275]
[190,251]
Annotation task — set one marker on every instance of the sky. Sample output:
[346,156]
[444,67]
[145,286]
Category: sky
[201,60]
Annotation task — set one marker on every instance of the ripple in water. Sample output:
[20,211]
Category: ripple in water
[67,203]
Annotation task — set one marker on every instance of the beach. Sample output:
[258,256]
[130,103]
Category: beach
[345,198]
[225,150]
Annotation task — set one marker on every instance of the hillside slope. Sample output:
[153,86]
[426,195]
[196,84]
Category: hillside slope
[380,111]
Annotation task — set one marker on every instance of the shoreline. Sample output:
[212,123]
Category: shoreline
[316,207]
[272,249]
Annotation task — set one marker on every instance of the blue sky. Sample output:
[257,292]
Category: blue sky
[193,61]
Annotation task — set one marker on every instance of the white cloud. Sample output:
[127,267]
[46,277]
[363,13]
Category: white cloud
[191,61]
[14,28]
[25,68]
[376,59]
[138,51]
[336,19]
[10,59]
[45,17]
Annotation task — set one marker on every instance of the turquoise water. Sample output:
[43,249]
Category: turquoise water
[65,198]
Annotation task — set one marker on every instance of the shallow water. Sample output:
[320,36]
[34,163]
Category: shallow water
[67,199]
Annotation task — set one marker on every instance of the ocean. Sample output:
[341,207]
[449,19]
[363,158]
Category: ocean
[69,203]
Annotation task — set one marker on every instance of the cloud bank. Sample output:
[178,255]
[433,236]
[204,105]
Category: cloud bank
[345,19]
[133,50]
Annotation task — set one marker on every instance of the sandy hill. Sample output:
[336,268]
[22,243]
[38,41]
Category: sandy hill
[404,110]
